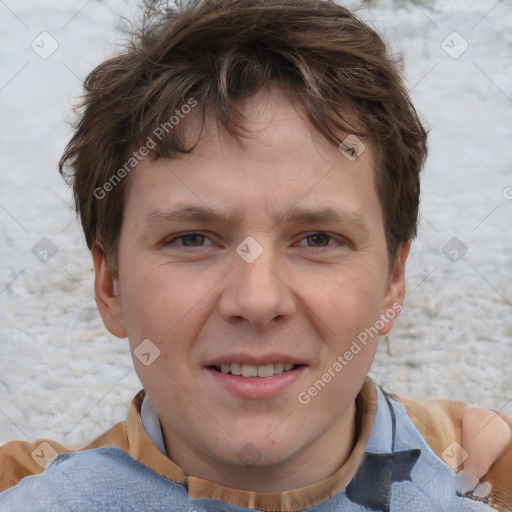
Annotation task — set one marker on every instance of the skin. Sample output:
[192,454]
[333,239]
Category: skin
[195,298]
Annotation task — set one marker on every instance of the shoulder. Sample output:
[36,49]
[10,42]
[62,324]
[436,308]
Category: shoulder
[20,459]
[104,478]
[475,442]
[73,481]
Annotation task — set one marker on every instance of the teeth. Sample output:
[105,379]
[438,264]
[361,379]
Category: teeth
[236,369]
[252,370]
[278,368]
[249,370]
[266,370]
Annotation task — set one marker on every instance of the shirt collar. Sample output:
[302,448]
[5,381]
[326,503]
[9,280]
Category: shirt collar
[151,423]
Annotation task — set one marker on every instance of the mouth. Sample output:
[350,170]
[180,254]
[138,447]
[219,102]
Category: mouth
[255,371]
[255,376]
[254,382]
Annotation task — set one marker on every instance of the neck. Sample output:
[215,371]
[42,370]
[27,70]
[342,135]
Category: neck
[307,466]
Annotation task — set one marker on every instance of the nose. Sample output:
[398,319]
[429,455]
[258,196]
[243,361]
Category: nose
[257,291]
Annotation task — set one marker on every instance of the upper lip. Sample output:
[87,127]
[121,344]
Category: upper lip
[245,358]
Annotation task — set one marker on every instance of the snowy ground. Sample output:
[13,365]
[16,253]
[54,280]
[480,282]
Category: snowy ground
[63,376]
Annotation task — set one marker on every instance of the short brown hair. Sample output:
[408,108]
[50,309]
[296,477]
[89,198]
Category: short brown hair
[220,51]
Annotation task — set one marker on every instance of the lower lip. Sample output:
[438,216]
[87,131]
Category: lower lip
[256,387]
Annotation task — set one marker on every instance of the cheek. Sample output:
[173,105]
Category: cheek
[168,310]
[358,294]
[349,314]
[141,309]
[155,300]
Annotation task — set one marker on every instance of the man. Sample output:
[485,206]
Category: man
[247,178]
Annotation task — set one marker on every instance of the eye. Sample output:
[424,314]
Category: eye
[188,239]
[314,240]
[321,239]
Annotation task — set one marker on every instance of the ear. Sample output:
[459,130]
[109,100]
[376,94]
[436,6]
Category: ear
[395,289]
[107,301]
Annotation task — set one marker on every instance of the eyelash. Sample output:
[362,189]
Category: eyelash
[339,240]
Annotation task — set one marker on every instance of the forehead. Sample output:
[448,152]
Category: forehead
[270,121]
[282,161]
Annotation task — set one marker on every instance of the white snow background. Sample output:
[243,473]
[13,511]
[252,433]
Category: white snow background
[63,376]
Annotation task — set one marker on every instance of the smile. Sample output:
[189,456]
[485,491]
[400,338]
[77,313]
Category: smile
[255,382]
[252,370]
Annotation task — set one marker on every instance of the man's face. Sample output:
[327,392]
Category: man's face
[263,284]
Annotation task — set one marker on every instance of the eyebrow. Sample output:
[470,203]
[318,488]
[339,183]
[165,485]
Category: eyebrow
[298,215]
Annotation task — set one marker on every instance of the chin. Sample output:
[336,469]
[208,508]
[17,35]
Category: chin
[257,452]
